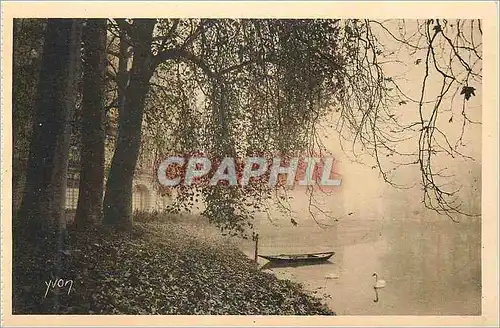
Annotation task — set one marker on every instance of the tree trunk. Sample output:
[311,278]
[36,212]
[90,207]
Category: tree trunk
[42,208]
[89,208]
[123,74]
[118,197]
[28,36]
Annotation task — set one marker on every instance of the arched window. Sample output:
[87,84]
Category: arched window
[72,189]
[140,198]
[71,198]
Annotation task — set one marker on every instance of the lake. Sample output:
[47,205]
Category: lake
[432,265]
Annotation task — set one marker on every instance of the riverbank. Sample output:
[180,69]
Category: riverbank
[162,268]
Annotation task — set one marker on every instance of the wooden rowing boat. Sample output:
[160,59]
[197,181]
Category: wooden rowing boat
[294,258]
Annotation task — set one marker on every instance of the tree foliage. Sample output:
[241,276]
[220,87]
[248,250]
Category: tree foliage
[235,87]
[240,87]
[447,56]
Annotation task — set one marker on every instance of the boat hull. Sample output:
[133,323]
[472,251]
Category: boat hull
[298,258]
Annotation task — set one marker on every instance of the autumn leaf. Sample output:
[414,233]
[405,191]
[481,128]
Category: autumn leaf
[468,92]
[163,266]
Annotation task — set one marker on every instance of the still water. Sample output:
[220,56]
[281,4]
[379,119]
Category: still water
[432,266]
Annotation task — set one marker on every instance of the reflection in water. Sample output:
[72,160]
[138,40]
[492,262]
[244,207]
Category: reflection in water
[431,268]
[274,265]
[436,265]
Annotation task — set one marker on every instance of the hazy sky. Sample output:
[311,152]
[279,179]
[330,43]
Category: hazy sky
[364,191]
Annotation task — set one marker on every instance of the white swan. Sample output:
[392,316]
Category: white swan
[378,283]
[332,276]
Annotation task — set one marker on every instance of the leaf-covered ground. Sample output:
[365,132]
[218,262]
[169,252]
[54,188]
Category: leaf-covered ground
[157,268]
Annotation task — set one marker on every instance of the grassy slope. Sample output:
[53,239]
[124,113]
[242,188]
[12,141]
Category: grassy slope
[158,268]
